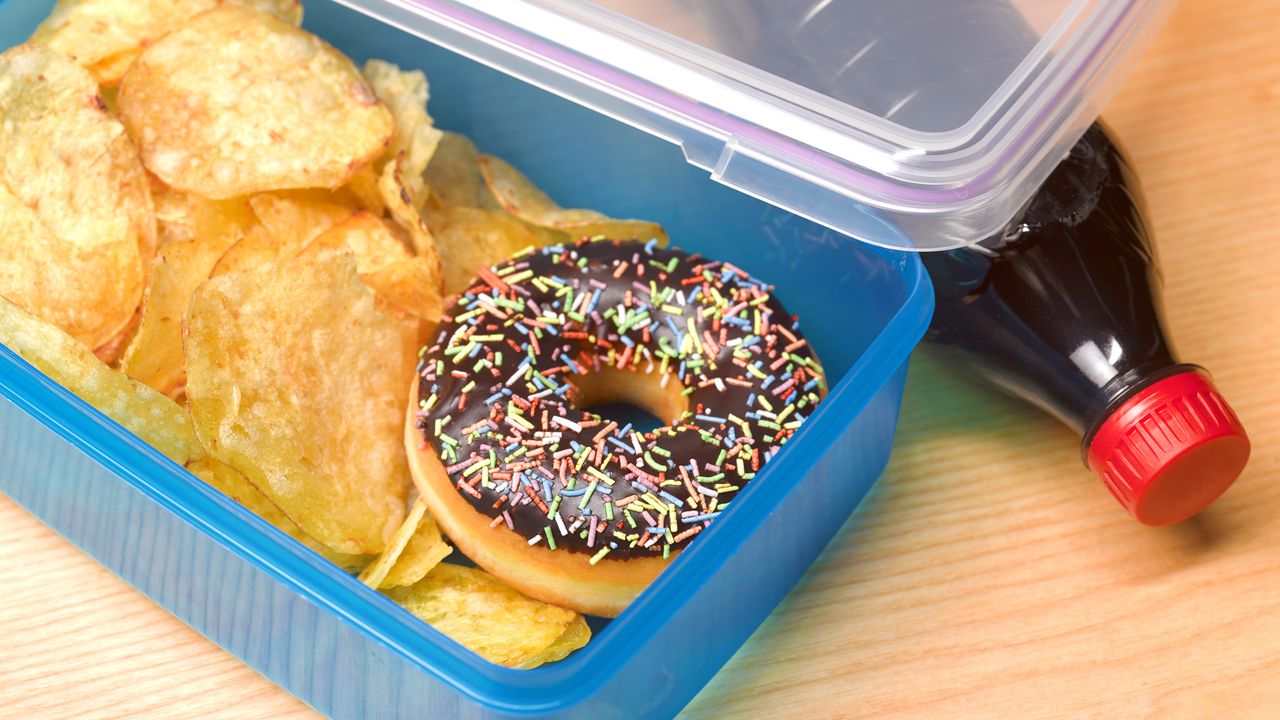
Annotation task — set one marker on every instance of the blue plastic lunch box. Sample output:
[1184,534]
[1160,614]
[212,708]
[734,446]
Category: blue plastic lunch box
[351,653]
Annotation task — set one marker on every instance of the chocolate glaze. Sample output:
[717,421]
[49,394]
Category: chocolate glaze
[497,399]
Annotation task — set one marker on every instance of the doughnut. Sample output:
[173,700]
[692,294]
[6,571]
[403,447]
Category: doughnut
[577,509]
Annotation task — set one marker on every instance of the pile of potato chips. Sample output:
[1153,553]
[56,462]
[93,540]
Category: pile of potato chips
[231,240]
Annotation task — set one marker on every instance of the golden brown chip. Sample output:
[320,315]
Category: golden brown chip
[574,637]
[108,72]
[174,212]
[425,550]
[489,618]
[142,411]
[237,102]
[296,220]
[405,94]
[178,214]
[106,36]
[413,550]
[225,479]
[470,238]
[374,244]
[522,198]
[288,10]
[363,190]
[155,356]
[410,288]
[407,286]
[399,204]
[453,177]
[287,227]
[75,208]
[296,380]
[111,351]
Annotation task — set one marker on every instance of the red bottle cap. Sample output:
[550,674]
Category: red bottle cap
[1170,450]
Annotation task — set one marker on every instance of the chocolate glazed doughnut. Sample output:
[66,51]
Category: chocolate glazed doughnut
[561,503]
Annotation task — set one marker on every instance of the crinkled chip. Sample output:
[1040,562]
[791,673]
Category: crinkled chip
[370,239]
[75,207]
[108,72]
[522,198]
[106,36]
[410,288]
[237,102]
[491,619]
[406,285]
[110,351]
[155,356]
[453,176]
[413,550]
[229,482]
[574,637]
[296,380]
[399,204]
[156,419]
[181,216]
[287,227]
[363,189]
[406,93]
[469,238]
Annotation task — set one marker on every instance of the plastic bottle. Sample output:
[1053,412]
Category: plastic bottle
[1062,309]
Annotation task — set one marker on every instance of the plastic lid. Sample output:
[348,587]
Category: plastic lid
[919,124]
[1170,450]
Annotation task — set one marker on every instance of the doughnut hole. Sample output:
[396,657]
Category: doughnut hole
[631,396]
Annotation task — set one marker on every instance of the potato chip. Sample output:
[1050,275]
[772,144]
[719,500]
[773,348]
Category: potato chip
[229,482]
[179,213]
[399,204]
[469,238]
[174,211]
[373,243]
[574,637]
[413,550]
[155,355]
[154,418]
[226,480]
[287,227]
[415,140]
[108,72]
[522,198]
[453,177]
[74,202]
[407,286]
[425,551]
[410,288]
[288,10]
[106,36]
[362,188]
[297,381]
[487,617]
[237,102]
[112,350]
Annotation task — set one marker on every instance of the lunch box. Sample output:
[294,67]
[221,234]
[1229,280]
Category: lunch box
[695,114]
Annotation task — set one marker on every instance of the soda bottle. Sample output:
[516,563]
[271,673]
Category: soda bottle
[1062,309]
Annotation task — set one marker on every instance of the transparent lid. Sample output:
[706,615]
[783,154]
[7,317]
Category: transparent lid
[918,124]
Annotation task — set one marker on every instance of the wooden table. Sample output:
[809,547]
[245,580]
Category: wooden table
[988,575]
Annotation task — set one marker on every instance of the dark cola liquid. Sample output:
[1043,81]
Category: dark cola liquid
[1061,308]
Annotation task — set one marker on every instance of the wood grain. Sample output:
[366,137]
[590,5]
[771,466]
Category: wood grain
[988,575]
